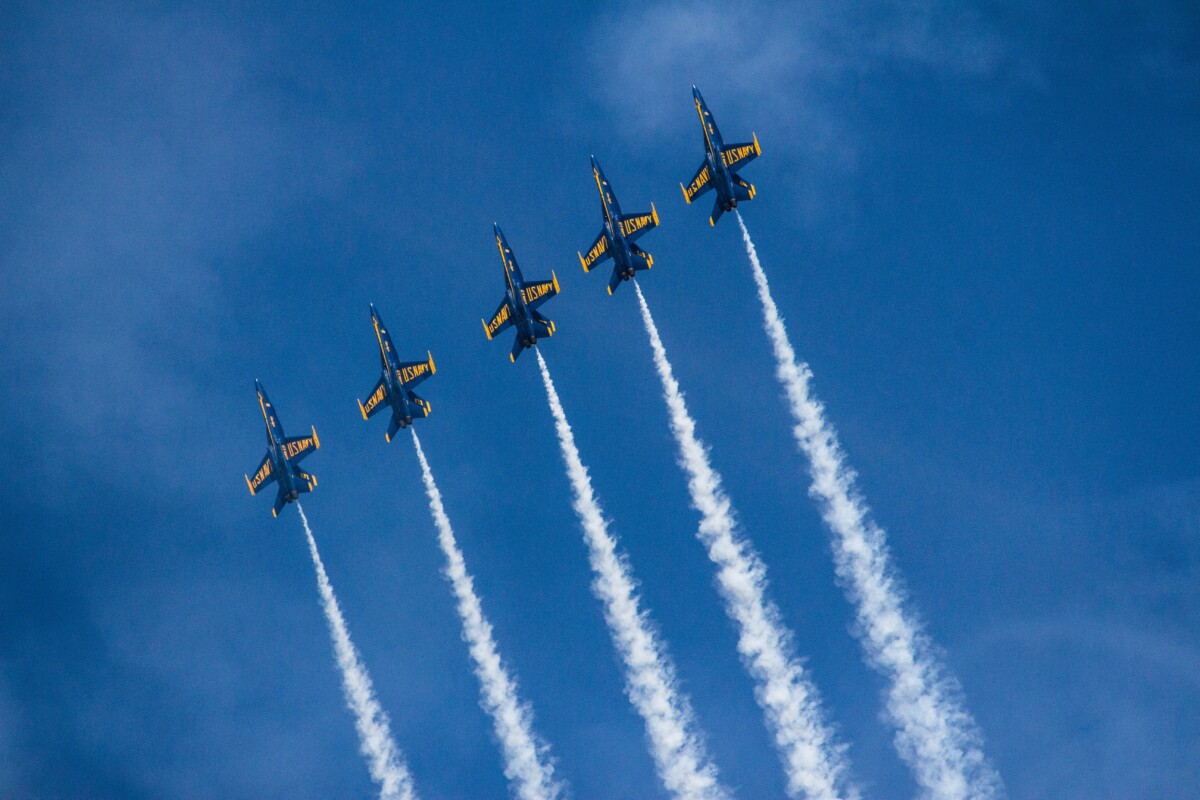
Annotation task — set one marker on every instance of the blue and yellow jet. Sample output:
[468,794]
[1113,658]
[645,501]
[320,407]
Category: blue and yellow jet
[617,237]
[720,161]
[280,464]
[520,303]
[395,387]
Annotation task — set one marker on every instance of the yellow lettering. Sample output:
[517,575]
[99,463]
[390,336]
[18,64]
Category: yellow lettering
[499,319]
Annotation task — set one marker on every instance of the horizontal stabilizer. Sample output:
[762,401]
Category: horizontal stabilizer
[517,349]
[280,501]
[393,426]
[418,406]
[641,259]
[741,189]
[717,211]
[614,281]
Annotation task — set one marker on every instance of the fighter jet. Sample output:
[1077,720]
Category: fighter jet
[280,464]
[395,387]
[519,306]
[720,161]
[617,237]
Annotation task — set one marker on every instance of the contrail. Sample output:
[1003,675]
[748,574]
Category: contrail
[384,759]
[526,760]
[935,735]
[683,766]
[815,766]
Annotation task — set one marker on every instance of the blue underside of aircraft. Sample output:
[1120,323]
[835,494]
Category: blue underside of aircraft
[281,463]
[394,390]
[518,308]
[617,237]
[718,171]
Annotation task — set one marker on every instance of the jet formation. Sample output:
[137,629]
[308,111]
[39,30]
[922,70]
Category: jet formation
[518,308]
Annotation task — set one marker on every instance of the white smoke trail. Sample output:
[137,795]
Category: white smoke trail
[935,735]
[814,764]
[384,759]
[650,682]
[526,760]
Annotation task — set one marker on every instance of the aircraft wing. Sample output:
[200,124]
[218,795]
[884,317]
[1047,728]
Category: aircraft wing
[503,318]
[262,476]
[739,155]
[375,400]
[634,225]
[412,373]
[700,184]
[537,292]
[597,252]
[297,448]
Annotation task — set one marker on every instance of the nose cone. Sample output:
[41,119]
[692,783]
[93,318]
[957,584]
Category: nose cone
[594,164]
[496,229]
[258,387]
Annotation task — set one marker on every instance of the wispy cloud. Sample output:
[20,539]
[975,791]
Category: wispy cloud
[799,66]
[147,148]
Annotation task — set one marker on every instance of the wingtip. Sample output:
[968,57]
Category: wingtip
[686,199]
[316,441]
[432,366]
[361,410]
[249,485]
[486,332]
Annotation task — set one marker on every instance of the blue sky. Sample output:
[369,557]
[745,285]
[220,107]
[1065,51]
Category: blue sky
[980,223]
